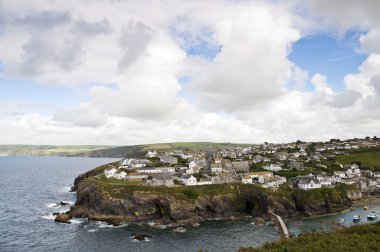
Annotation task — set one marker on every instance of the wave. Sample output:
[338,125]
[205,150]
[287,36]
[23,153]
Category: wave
[77,221]
[48,217]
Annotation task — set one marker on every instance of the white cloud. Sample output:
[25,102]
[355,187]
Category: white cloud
[242,88]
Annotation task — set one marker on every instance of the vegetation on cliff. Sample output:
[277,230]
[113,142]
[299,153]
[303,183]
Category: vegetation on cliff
[110,198]
[355,238]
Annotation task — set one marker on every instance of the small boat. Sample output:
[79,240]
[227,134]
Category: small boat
[372,215]
[341,221]
[365,207]
[356,218]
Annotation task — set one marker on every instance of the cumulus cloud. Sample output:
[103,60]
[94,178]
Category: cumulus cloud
[129,59]
[133,42]
[43,20]
[84,116]
[252,66]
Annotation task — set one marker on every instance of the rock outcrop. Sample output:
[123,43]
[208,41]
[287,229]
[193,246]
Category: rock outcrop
[63,218]
[115,204]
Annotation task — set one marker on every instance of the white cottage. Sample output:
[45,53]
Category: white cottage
[110,173]
[120,175]
[309,183]
[189,180]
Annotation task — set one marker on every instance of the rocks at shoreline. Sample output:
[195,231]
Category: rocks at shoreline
[63,218]
[141,237]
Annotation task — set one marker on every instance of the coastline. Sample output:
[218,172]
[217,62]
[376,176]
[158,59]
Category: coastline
[369,200]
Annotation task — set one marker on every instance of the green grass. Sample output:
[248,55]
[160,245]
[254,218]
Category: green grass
[192,146]
[367,159]
[118,188]
[356,238]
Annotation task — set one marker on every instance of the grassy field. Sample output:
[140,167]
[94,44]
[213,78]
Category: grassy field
[367,159]
[356,238]
[192,146]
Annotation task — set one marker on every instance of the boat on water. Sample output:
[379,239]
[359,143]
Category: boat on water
[356,218]
[340,220]
[372,215]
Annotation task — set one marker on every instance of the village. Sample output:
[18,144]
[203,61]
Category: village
[300,165]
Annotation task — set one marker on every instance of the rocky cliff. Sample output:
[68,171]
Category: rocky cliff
[118,201]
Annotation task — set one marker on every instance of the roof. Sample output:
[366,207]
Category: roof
[241,166]
[185,176]
[261,173]
[306,181]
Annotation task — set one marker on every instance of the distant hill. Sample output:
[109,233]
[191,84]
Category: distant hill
[48,150]
[107,151]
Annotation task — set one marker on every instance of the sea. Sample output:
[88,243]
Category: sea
[31,187]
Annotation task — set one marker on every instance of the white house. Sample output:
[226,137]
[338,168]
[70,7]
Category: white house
[204,182]
[190,181]
[247,179]
[151,154]
[150,170]
[218,160]
[136,176]
[336,179]
[273,167]
[110,173]
[120,175]
[261,177]
[353,171]
[309,183]
[167,169]
[216,168]
[341,174]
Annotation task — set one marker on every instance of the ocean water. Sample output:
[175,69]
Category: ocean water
[30,187]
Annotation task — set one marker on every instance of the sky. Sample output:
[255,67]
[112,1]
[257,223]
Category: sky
[121,72]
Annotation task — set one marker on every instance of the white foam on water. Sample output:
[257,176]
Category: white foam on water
[48,217]
[105,225]
[151,223]
[92,230]
[77,221]
[65,189]
[52,205]
[146,239]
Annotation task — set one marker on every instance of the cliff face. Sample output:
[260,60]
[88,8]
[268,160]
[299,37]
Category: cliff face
[98,199]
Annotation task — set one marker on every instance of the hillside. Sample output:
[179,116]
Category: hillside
[355,238]
[48,150]
[367,157]
[106,151]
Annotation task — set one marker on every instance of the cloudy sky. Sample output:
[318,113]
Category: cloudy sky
[124,72]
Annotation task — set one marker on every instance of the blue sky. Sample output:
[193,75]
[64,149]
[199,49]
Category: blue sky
[330,55]
[48,97]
